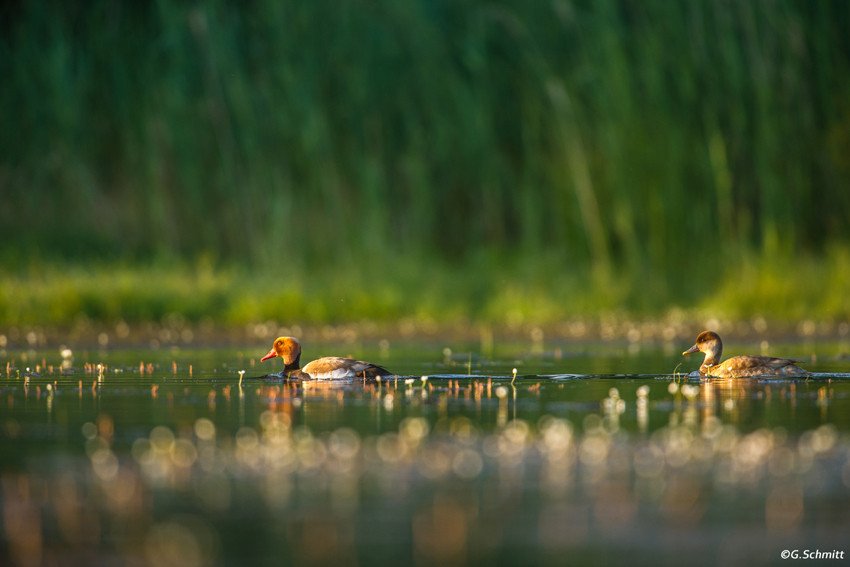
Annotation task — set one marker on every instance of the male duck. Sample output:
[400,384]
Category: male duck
[739,366]
[328,368]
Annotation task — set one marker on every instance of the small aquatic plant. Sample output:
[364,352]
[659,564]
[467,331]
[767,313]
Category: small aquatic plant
[678,376]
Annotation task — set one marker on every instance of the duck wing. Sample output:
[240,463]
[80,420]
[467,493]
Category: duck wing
[335,367]
[761,366]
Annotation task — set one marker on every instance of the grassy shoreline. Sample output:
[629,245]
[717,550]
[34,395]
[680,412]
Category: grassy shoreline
[418,299]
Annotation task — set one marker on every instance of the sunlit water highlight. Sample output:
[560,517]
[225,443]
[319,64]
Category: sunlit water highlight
[156,458]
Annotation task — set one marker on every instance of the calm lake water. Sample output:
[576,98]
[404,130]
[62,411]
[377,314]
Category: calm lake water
[594,454]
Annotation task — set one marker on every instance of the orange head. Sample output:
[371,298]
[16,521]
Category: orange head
[288,349]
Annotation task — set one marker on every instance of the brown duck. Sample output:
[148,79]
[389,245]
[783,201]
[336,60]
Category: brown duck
[739,366]
[327,368]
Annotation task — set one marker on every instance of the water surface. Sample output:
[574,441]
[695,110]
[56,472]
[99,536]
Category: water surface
[593,453]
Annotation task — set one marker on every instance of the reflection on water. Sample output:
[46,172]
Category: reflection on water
[163,463]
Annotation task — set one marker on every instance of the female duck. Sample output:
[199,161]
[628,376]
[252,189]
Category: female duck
[328,368]
[739,366]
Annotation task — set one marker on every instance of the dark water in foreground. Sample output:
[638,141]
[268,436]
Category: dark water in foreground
[590,456]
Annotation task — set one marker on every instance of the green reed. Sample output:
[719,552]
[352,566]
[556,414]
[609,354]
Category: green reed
[612,142]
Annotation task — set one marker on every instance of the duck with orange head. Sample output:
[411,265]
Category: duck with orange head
[709,343]
[327,368]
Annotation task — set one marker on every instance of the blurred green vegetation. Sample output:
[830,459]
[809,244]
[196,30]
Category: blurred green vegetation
[461,297]
[455,160]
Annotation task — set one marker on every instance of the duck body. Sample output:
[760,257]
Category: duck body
[742,366]
[333,367]
[752,365]
[327,368]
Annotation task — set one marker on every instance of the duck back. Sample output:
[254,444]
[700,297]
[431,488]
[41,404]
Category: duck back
[748,365]
[335,367]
